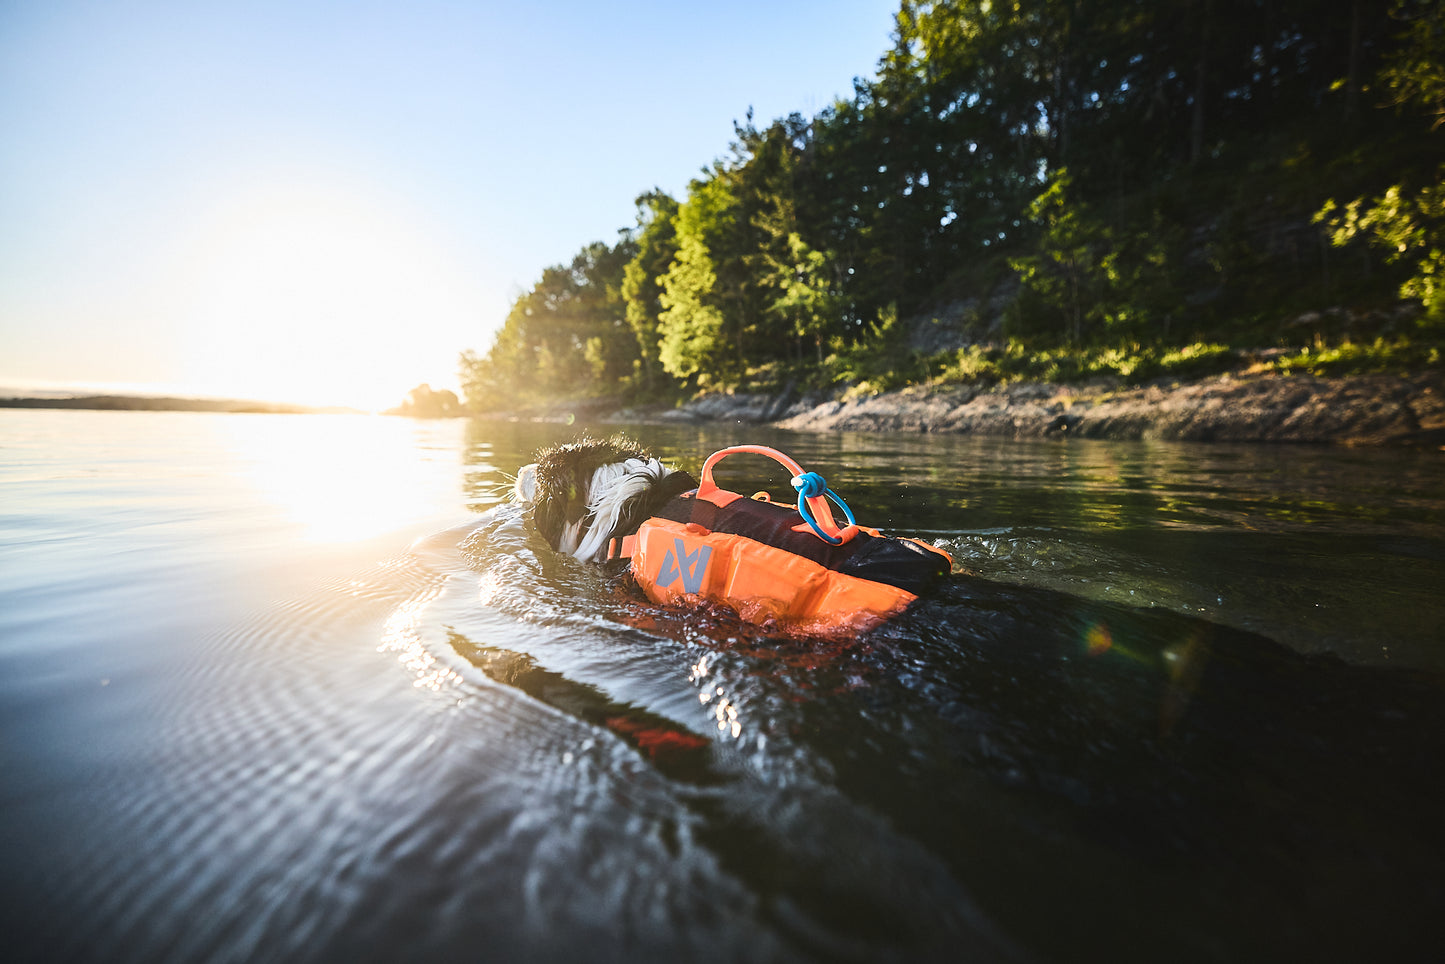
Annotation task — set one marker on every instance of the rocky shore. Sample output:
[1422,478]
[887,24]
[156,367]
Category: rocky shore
[1357,410]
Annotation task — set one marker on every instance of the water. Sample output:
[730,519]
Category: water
[301,688]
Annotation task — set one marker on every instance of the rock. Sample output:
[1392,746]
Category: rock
[1362,410]
[1359,410]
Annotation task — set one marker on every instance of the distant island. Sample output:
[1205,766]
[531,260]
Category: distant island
[148,403]
[421,402]
[425,402]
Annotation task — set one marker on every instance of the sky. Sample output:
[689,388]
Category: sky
[328,202]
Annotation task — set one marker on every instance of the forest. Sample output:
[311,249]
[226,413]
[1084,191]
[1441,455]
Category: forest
[1044,188]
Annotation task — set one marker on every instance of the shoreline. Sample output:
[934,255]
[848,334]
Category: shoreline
[1361,410]
[1394,410]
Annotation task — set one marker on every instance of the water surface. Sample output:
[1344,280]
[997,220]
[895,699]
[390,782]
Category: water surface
[301,687]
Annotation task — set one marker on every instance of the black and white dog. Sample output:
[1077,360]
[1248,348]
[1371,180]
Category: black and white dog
[586,493]
[602,500]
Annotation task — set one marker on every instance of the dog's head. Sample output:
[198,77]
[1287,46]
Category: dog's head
[589,492]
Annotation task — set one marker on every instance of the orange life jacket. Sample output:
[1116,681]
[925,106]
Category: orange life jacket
[790,564]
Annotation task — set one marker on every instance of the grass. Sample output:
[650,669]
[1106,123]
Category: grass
[1130,364]
[1351,358]
[1135,364]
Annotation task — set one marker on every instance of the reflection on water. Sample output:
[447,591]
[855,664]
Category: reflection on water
[1177,703]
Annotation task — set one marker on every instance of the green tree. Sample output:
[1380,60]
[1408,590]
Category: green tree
[1415,75]
[1409,226]
[806,296]
[1094,282]
[1069,271]
[567,336]
[800,287]
[642,280]
[714,323]
[697,336]
[1408,222]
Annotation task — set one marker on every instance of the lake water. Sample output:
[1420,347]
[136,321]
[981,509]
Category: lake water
[300,688]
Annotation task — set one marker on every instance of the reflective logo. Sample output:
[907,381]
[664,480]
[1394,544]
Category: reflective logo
[690,567]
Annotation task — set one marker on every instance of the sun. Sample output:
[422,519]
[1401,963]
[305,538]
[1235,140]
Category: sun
[319,297]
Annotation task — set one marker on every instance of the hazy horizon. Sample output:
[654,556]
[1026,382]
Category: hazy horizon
[325,205]
[46,389]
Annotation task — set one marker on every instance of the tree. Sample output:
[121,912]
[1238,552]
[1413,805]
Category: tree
[1408,222]
[695,331]
[567,336]
[1069,270]
[642,287]
[425,402]
[1409,225]
[807,296]
[1415,75]
[800,287]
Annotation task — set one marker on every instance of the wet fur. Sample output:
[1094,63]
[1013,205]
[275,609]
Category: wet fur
[586,493]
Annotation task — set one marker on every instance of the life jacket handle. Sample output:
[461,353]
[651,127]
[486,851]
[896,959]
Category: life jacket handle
[812,502]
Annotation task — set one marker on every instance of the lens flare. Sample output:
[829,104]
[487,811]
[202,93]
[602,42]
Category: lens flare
[1098,640]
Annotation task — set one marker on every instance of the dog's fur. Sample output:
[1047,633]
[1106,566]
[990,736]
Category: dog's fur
[589,492]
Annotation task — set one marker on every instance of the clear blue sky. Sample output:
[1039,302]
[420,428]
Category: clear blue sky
[329,201]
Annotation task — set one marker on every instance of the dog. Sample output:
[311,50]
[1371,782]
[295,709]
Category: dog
[684,541]
[587,493]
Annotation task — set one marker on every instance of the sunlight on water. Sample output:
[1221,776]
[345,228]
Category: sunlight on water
[342,478]
[724,710]
[402,636]
[489,584]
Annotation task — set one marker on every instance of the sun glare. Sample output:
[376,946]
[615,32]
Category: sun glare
[345,478]
[314,297]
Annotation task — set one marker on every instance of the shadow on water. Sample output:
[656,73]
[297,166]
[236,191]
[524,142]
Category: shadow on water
[1011,772]
[675,750]
[1159,785]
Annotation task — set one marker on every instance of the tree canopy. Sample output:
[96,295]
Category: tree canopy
[1120,170]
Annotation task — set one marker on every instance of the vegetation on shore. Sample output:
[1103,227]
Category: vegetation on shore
[1014,360]
[1046,190]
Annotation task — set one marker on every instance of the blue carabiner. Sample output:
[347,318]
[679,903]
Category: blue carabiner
[811,485]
